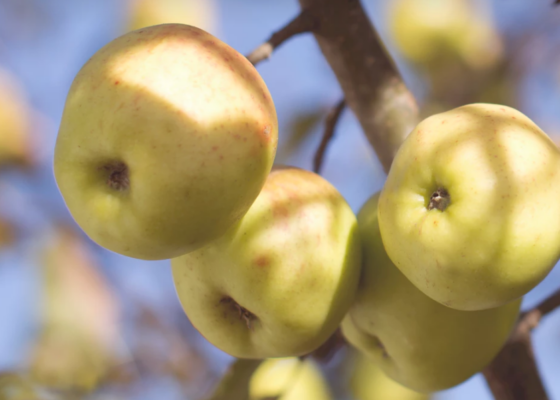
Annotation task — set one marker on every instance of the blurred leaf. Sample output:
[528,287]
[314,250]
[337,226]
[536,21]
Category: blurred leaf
[15,122]
[14,386]
[17,386]
[79,334]
[7,233]
[299,128]
[154,12]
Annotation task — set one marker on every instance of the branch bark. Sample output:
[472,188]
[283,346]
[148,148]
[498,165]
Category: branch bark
[330,125]
[303,23]
[373,88]
[513,374]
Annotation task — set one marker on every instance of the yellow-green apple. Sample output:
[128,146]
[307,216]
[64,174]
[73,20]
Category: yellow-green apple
[288,379]
[166,139]
[279,282]
[470,211]
[415,340]
[433,32]
[369,382]
[143,13]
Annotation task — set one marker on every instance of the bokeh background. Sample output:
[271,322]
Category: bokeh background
[96,325]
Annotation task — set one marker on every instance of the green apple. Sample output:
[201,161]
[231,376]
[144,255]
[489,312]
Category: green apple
[470,211]
[415,340]
[435,32]
[278,283]
[288,379]
[143,13]
[369,382]
[166,139]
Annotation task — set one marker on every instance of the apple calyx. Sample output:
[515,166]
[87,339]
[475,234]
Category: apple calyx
[118,175]
[440,199]
[244,314]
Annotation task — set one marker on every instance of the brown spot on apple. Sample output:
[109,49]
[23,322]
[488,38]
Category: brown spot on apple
[262,261]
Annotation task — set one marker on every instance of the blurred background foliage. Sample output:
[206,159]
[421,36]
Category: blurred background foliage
[78,322]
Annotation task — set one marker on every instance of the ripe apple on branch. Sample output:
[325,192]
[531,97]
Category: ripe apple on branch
[165,151]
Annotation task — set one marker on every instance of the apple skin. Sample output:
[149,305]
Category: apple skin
[416,341]
[143,13]
[292,263]
[191,123]
[369,382]
[288,379]
[432,33]
[500,235]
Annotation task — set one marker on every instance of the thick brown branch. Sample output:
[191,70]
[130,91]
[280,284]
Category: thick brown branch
[513,375]
[371,84]
[330,125]
[548,305]
[303,23]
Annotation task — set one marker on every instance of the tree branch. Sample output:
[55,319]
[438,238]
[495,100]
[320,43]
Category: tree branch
[303,23]
[330,125]
[513,374]
[371,84]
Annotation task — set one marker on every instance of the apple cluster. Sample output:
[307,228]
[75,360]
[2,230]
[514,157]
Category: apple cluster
[165,151]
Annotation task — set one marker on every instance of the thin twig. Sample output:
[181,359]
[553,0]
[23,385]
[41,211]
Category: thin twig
[513,375]
[330,125]
[303,23]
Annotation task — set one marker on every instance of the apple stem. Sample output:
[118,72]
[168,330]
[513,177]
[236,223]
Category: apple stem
[440,199]
[118,176]
[244,314]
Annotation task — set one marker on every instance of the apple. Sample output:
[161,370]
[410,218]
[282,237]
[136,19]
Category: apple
[369,382]
[288,379]
[435,32]
[143,13]
[166,139]
[415,340]
[470,210]
[278,283]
